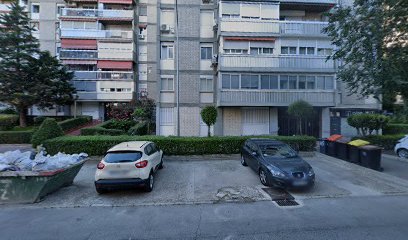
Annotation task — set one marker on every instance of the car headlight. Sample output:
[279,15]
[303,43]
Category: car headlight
[311,173]
[276,172]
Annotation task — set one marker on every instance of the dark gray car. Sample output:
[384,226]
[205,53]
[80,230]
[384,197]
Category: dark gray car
[277,164]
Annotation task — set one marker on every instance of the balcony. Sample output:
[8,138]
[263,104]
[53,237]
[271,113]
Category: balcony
[257,27]
[78,54]
[105,96]
[93,34]
[274,97]
[102,75]
[100,13]
[331,2]
[275,63]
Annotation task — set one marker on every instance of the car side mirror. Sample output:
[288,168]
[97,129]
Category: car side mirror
[254,154]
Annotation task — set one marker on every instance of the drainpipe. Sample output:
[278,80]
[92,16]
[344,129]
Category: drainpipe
[177,72]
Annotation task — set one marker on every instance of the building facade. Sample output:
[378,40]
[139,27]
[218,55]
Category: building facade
[251,59]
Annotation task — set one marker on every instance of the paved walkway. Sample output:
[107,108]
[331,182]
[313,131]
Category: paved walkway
[77,131]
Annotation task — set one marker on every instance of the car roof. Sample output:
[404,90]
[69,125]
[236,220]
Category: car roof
[265,141]
[126,146]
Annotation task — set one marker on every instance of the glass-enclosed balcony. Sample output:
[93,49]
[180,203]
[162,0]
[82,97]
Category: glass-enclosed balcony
[102,75]
[92,33]
[92,13]
[78,54]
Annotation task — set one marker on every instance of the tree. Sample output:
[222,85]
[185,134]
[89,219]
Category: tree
[145,111]
[28,76]
[366,123]
[367,38]
[301,110]
[209,116]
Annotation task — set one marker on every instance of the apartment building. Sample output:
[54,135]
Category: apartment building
[251,59]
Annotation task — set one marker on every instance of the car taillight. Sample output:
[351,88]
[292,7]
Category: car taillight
[141,164]
[100,165]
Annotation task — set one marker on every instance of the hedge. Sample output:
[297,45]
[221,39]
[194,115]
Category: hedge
[15,137]
[98,145]
[74,122]
[8,121]
[386,141]
[395,128]
[49,129]
[139,129]
[101,129]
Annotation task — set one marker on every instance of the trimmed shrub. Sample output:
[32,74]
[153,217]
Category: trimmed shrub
[209,117]
[15,137]
[8,121]
[139,129]
[74,122]
[38,120]
[123,125]
[395,128]
[98,145]
[367,123]
[386,141]
[101,131]
[9,111]
[49,129]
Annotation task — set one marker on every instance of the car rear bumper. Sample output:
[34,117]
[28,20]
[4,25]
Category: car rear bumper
[117,183]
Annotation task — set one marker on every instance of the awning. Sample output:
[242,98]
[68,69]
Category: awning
[107,64]
[116,1]
[250,39]
[79,43]
[79,62]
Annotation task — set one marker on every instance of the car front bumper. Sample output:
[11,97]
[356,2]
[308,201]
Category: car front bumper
[119,183]
[292,183]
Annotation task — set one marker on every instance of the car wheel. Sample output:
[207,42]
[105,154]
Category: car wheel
[161,163]
[149,183]
[243,161]
[100,190]
[403,153]
[263,177]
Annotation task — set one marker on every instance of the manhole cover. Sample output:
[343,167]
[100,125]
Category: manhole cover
[278,194]
[286,203]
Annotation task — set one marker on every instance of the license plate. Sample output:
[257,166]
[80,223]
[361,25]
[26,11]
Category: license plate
[118,172]
[300,183]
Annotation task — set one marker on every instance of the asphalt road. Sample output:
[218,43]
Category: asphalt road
[384,217]
[395,166]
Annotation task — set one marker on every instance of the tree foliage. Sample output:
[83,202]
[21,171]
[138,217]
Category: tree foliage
[28,76]
[301,110]
[367,123]
[371,40]
[209,116]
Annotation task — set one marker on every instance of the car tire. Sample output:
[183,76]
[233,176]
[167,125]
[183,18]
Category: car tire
[402,153]
[161,163]
[263,177]
[149,184]
[100,190]
[243,161]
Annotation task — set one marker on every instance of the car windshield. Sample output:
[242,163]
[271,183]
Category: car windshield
[117,157]
[273,150]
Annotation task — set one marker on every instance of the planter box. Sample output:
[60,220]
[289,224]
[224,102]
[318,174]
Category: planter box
[30,187]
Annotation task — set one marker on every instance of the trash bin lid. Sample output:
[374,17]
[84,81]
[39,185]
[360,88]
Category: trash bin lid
[358,143]
[334,137]
[370,147]
[344,140]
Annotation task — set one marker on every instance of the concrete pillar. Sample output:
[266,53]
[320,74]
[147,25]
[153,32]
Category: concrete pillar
[325,129]
[273,121]
[218,128]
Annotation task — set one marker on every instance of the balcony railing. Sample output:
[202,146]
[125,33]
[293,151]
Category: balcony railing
[276,63]
[113,96]
[257,26]
[92,13]
[93,33]
[274,97]
[102,75]
[310,1]
[78,54]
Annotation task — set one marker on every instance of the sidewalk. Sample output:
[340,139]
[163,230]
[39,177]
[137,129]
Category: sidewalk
[77,131]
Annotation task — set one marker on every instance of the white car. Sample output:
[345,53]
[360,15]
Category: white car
[401,148]
[129,164]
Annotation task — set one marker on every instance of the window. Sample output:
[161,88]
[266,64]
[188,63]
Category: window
[302,82]
[306,50]
[267,50]
[288,50]
[249,81]
[142,11]
[230,81]
[310,82]
[292,82]
[284,82]
[259,50]
[35,8]
[59,9]
[236,51]
[206,84]
[167,52]
[167,84]
[206,53]
[325,82]
[269,82]
[324,51]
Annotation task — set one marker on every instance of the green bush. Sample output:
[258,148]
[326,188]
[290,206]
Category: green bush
[123,125]
[386,141]
[209,117]
[8,121]
[49,129]
[139,129]
[98,145]
[38,120]
[74,122]
[15,137]
[101,131]
[394,128]
[9,111]
[367,123]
